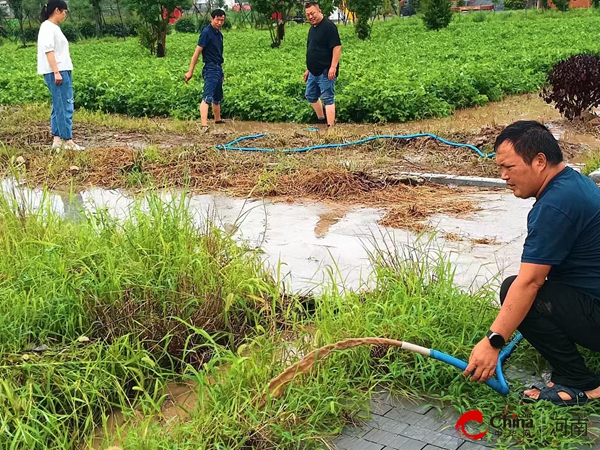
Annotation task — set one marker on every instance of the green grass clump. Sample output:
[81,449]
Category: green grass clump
[592,163]
[146,275]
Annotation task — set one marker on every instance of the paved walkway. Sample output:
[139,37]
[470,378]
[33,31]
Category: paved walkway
[396,424]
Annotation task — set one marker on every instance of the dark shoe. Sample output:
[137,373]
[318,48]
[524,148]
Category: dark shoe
[219,122]
[322,121]
[550,394]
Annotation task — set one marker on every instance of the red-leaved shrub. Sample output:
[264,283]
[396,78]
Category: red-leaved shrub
[574,85]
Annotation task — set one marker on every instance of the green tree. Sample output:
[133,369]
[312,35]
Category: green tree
[3,26]
[364,10]
[118,4]
[80,10]
[31,11]
[327,6]
[561,5]
[437,14]
[275,14]
[98,17]
[514,4]
[17,8]
[155,16]
[387,8]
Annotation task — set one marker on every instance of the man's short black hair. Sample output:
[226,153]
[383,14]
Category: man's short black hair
[217,13]
[529,138]
[309,4]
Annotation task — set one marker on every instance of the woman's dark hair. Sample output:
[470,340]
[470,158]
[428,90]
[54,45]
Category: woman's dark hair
[50,7]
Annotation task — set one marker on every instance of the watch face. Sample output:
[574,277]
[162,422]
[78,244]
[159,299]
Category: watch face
[496,340]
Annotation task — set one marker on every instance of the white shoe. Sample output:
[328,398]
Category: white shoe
[73,146]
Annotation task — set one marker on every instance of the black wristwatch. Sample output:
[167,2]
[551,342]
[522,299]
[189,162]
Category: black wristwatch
[496,340]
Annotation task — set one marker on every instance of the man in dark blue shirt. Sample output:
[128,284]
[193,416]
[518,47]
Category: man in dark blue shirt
[554,301]
[210,45]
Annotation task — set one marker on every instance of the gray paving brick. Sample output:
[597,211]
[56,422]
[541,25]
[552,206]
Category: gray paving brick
[386,424]
[389,440]
[403,415]
[415,406]
[343,441]
[421,434]
[379,407]
[352,443]
[444,415]
[469,445]
[412,444]
[431,447]
[434,423]
[448,442]
[357,431]
[449,430]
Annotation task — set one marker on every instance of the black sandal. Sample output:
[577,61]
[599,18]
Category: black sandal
[578,397]
[219,122]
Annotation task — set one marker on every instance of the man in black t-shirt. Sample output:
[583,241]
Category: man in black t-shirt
[554,301]
[323,51]
[210,45]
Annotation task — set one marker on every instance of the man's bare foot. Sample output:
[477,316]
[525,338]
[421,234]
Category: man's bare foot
[535,393]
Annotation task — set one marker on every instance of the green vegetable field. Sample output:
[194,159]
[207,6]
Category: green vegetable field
[402,73]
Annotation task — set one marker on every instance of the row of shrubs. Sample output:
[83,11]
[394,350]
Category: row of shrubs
[75,31]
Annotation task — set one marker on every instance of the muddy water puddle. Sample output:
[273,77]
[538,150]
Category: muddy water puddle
[179,401]
[315,244]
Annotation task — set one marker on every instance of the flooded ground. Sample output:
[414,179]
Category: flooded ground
[317,243]
[306,214]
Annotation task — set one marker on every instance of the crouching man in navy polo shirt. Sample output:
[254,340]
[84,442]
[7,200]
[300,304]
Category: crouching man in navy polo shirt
[210,44]
[554,301]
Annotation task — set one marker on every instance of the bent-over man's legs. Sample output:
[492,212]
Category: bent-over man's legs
[560,318]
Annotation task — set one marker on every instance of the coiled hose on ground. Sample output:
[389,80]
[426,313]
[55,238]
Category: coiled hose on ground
[233,144]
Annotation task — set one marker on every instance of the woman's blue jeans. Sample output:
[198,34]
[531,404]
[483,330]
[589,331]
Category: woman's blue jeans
[63,105]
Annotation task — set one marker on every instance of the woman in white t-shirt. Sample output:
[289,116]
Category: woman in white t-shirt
[54,63]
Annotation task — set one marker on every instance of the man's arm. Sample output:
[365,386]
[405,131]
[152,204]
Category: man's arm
[517,304]
[337,53]
[519,298]
[188,76]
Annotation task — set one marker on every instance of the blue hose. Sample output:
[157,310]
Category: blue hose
[500,385]
[232,145]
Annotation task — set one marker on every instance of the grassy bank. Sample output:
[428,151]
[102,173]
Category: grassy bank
[100,314]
